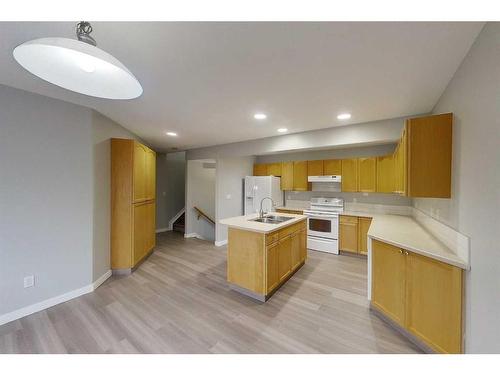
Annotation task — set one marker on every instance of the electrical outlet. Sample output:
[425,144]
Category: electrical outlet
[29,281]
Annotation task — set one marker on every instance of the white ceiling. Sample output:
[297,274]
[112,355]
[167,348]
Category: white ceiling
[206,80]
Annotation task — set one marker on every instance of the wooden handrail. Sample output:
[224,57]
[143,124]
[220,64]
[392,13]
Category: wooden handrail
[201,213]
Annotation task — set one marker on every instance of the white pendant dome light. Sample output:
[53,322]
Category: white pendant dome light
[78,65]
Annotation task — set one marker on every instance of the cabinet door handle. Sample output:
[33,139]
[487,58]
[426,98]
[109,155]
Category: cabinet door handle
[401,251]
[406,252]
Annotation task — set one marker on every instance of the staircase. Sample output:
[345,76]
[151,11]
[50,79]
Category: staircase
[178,225]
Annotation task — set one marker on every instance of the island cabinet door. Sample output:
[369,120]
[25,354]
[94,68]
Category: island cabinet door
[284,257]
[388,280]
[295,249]
[273,278]
[434,303]
[303,244]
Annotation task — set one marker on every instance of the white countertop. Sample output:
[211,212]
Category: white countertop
[406,233]
[244,222]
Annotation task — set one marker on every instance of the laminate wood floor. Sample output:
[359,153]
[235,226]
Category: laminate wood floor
[178,301]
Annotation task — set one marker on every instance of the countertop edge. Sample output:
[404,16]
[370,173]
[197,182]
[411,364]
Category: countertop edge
[457,263]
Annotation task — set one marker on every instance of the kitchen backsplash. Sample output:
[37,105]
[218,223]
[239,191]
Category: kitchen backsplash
[296,198]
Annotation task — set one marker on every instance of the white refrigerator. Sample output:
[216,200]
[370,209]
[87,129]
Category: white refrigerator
[259,187]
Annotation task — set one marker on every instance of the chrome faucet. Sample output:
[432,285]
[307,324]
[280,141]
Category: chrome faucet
[261,212]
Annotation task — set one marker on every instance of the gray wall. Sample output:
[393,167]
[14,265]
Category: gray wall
[473,96]
[200,192]
[45,197]
[370,133]
[170,187]
[102,130]
[229,190]
[54,196]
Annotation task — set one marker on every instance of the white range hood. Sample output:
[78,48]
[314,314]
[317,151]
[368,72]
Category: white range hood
[325,183]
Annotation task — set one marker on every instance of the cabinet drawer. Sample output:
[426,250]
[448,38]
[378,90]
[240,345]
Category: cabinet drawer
[348,219]
[272,237]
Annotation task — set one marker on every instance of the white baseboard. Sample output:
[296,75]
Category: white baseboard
[220,243]
[39,306]
[161,230]
[96,284]
[194,235]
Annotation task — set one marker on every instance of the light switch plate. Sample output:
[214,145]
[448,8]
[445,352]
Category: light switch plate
[29,281]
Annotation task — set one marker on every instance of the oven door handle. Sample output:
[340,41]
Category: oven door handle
[323,216]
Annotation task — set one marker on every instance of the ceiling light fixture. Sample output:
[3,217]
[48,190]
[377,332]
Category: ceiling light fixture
[260,116]
[171,134]
[282,130]
[78,65]
[344,116]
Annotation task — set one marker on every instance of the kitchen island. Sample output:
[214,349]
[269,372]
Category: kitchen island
[262,256]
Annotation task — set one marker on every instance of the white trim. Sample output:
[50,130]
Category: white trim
[161,230]
[220,243]
[177,215]
[36,307]
[96,284]
[194,235]
[39,306]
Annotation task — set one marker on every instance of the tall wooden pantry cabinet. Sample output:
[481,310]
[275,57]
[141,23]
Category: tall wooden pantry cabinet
[133,203]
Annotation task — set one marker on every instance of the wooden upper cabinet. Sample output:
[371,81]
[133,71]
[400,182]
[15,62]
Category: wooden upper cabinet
[389,280]
[150,168]
[274,169]
[300,176]
[260,169]
[140,172]
[367,174]
[400,166]
[287,175]
[385,174]
[315,167]
[332,167]
[429,152]
[350,175]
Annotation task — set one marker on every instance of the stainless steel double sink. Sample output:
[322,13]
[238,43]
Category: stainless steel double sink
[272,219]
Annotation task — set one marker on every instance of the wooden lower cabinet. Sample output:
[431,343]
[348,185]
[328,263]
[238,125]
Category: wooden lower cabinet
[348,234]
[363,226]
[273,278]
[420,294]
[284,257]
[260,263]
[434,303]
[388,280]
[144,229]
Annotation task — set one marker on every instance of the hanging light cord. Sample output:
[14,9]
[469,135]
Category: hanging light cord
[83,30]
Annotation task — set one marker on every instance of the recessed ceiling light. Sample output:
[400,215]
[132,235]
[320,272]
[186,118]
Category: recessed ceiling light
[282,130]
[260,116]
[78,65]
[171,134]
[344,116]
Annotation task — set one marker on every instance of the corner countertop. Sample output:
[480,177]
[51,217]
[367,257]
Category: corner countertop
[405,232]
[245,223]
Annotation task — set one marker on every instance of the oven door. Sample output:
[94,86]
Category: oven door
[323,226]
